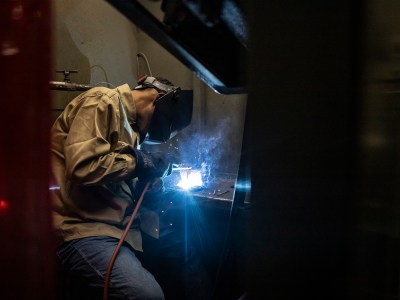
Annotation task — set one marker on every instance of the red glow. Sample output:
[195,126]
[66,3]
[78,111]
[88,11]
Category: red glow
[3,205]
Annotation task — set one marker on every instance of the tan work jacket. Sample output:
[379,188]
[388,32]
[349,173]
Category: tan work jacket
[92,165]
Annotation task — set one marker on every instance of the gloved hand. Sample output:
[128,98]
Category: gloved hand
[152,165]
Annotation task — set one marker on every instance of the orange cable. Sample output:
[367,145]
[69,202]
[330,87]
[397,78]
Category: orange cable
[121,240]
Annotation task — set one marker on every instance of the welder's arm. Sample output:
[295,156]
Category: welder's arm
[93,151]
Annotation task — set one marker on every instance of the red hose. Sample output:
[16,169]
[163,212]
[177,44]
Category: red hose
[121,240]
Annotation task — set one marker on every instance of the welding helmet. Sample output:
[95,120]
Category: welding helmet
[173,110]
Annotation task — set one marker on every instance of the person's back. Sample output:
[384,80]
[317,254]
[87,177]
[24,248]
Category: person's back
[91,140]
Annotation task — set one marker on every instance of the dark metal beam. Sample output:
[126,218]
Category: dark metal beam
[220,70]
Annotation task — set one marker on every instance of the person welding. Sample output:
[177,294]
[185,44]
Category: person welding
[97,168]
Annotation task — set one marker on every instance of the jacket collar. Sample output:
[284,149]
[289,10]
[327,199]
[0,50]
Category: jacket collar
[128,103]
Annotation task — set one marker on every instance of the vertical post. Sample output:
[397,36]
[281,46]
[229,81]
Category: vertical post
[26,238]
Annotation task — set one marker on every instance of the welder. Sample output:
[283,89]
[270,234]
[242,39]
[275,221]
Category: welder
[99,171]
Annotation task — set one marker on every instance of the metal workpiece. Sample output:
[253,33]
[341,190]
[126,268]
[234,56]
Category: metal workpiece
[218,188]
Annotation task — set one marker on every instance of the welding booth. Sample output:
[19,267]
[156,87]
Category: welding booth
[153,41]
[292,146]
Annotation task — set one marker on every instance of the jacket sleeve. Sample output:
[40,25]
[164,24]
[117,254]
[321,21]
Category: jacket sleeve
[94,152]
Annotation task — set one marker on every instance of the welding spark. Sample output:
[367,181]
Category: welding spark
[190,179]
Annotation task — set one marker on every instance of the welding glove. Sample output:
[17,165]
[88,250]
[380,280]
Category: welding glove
[152,165]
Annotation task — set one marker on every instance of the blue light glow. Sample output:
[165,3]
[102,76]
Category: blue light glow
[243,185]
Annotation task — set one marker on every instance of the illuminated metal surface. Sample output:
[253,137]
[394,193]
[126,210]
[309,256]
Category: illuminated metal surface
[219,188]
[190,179]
